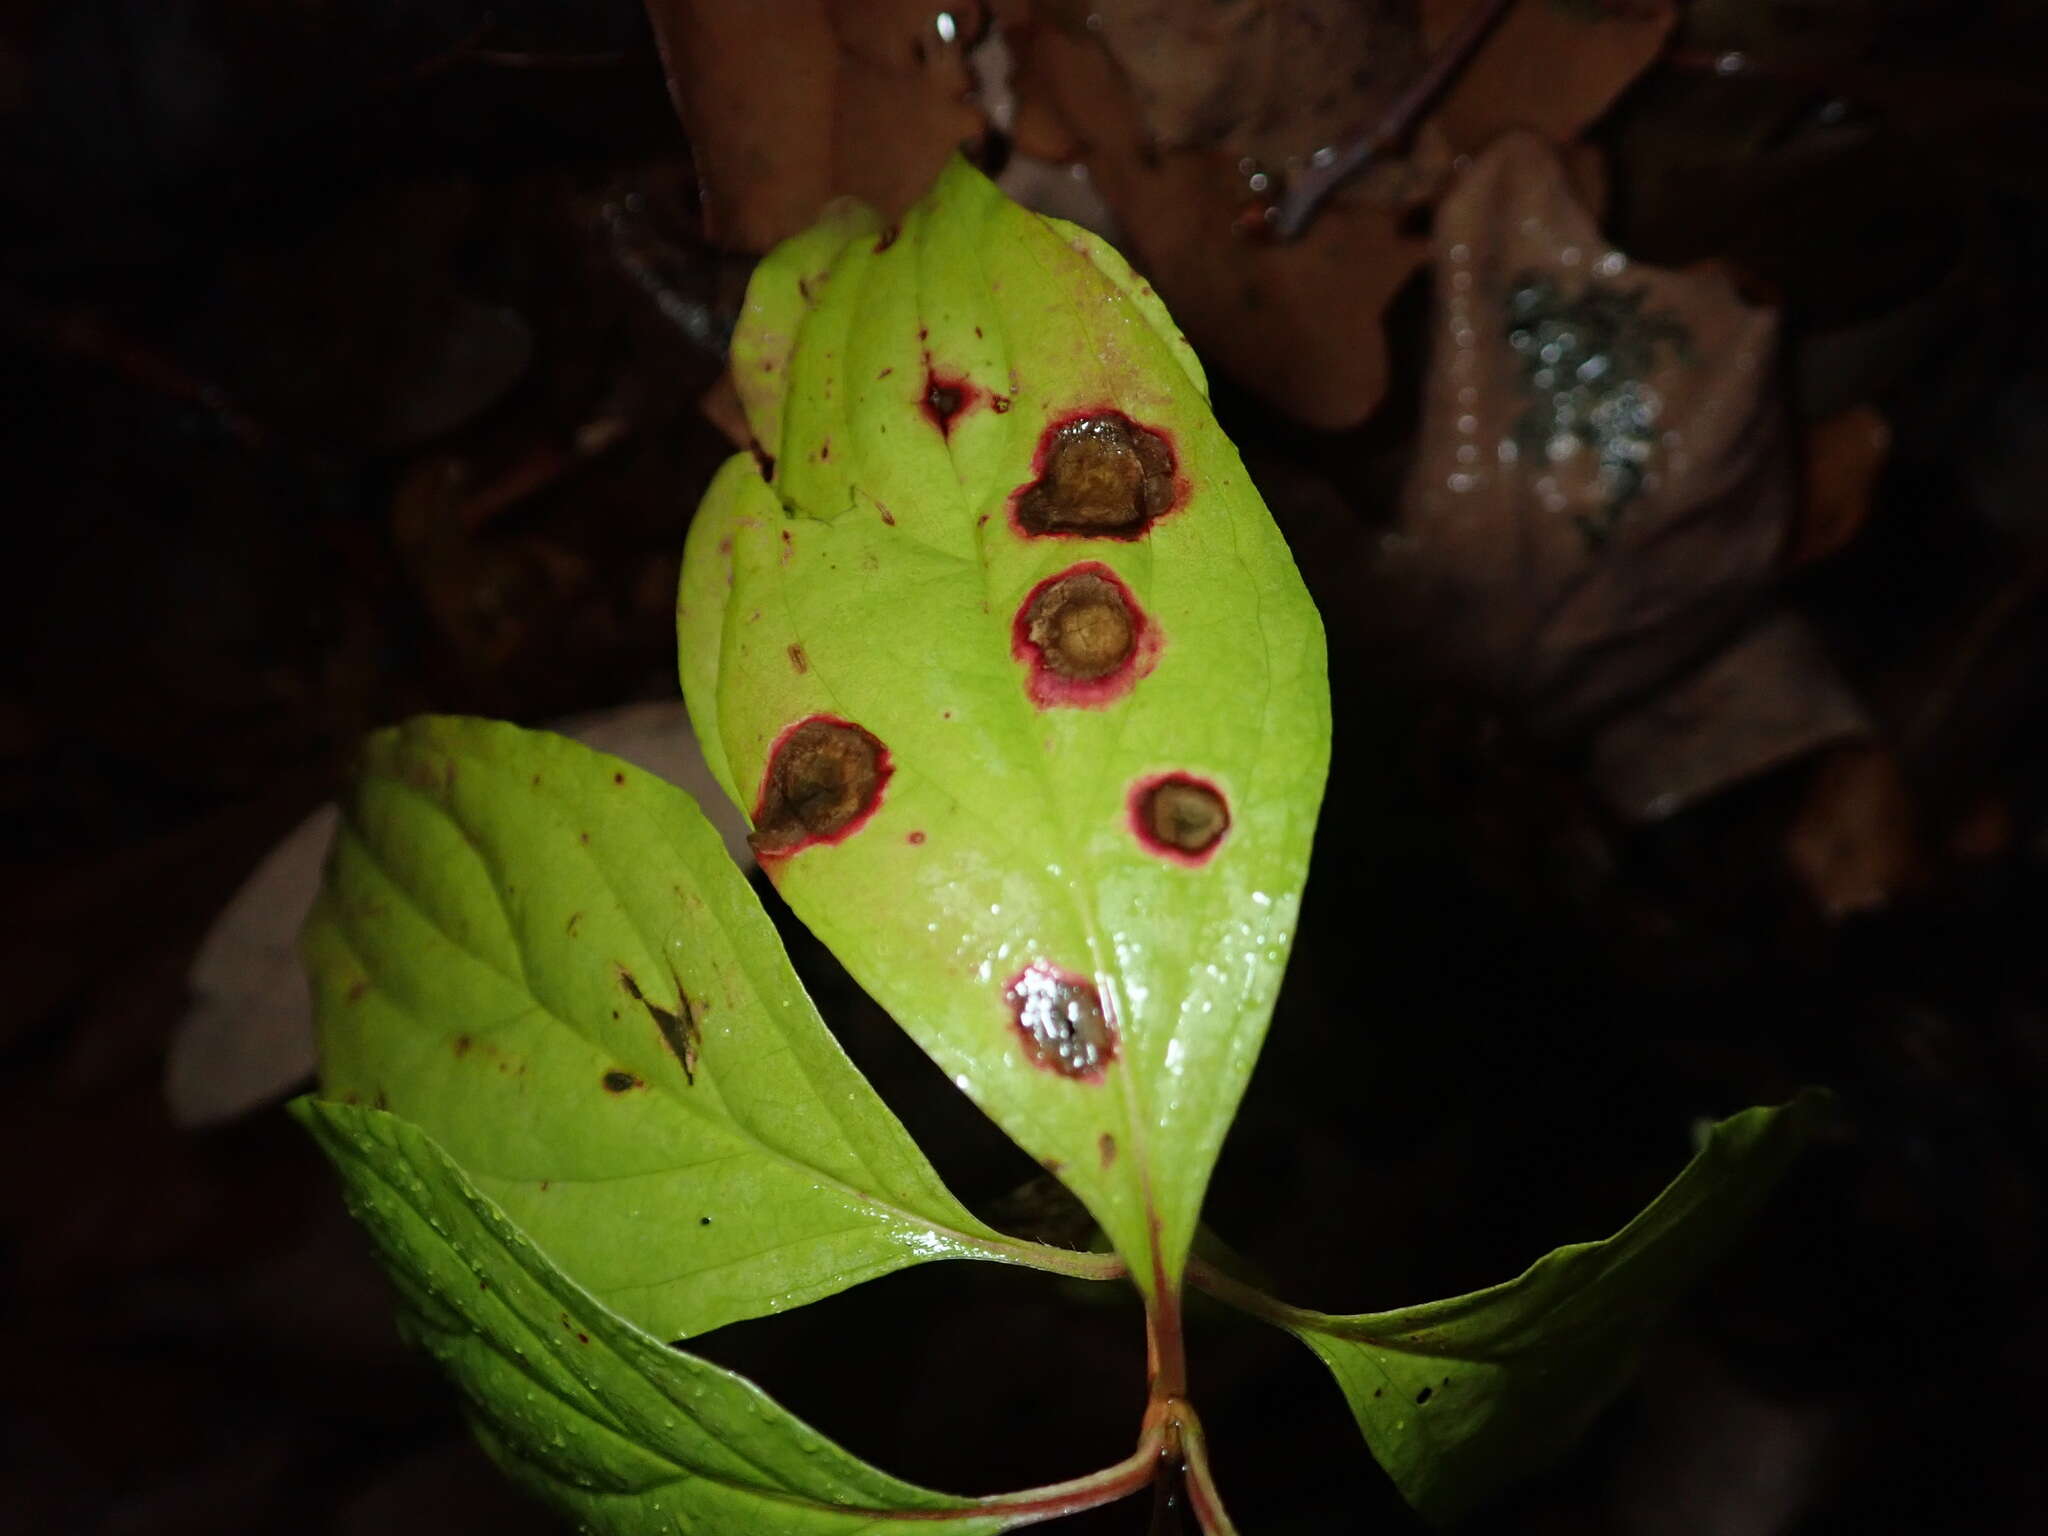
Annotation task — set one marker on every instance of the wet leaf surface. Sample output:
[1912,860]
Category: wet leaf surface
[1080,973]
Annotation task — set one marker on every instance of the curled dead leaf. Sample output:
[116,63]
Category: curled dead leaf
[1845,454]
[1769,698]
[790,103]
[1601,485]
[1300,324]
[1852,844]
[1265,81]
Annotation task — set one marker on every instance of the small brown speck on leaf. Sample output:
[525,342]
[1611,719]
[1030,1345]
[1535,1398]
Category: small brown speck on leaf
[1106,1145]
[620,1082]
[1104,475]
[462,1044]
[618,778]
[798,660]
[678,1026]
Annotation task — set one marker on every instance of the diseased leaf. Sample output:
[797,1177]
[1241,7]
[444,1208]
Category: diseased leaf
[619,1432]
[544,958]
[1019,685]
[1458,1398]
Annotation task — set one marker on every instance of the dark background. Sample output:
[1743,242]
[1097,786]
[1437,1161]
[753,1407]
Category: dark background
[350,360]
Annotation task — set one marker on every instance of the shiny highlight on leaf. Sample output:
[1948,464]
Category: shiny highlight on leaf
[1064,1025]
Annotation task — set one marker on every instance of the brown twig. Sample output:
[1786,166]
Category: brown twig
[1308,189]
[86,336]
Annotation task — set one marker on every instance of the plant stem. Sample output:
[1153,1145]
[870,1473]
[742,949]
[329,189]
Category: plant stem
[1136,1471]
[1307,190]
[1166,1355]
[1057,1261]
[1249,1298]
[1201,1483]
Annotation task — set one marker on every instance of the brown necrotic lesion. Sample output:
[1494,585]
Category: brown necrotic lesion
[823,777]
[1103,475]
[1064,1026]
[1183,814]
[1082,626]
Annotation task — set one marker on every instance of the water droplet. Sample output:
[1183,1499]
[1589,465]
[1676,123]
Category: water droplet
[1062,1021]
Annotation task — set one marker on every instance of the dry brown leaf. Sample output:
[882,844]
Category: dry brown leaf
[790,103]
[1984,832]
[1265,79]
[1549,67]
[1300,324]
[1844,456]
[721,407]
[1767,699]
[1852,843]
[1601,485]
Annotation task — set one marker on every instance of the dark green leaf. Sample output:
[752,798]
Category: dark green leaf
[615,1429]
[1459,1397]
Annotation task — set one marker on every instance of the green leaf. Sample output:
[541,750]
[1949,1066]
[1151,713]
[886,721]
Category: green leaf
[544,958]
[1459,1397]
[957,822]
[601,1419]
